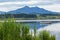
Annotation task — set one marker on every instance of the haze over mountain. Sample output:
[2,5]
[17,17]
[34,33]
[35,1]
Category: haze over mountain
[29,10]
[1,12]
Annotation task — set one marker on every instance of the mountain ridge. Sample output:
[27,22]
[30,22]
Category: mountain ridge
[29,10]
[32,10]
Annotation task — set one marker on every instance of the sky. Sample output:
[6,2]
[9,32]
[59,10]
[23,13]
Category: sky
[8,5]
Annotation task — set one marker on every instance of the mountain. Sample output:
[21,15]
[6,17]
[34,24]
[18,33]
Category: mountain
[31,10]
[1,12]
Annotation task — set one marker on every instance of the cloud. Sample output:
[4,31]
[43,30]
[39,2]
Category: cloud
[42,1]
[19,3]
[12,0]
[30,2]
[51,5]
[7,6]
[49,1]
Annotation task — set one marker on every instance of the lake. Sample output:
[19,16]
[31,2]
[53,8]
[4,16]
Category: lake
[38,24]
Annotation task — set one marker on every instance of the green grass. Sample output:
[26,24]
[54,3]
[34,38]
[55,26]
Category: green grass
[14,31]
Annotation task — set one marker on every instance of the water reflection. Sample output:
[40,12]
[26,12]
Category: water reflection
[38,24]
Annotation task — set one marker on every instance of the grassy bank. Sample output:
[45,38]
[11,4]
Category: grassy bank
[14,31]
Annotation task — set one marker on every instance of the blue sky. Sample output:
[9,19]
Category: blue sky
[8,5]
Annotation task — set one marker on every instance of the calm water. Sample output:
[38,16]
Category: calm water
[39,25]
[36,24]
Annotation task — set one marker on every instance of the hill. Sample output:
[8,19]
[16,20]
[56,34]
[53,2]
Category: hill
[31,10]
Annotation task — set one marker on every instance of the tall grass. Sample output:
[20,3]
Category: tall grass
[10,30]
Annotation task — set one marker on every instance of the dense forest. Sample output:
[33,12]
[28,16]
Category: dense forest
[30,16]
[14,31]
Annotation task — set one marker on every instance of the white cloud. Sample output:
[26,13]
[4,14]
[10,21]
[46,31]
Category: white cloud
[46,4]
[12,0]
[49,1]
[20,3]
[53,7]
[7,6]
[6,9]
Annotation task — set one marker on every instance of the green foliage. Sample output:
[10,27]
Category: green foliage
[1,32]
[24,31]
[34,33]
[45,35]
[10,30]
